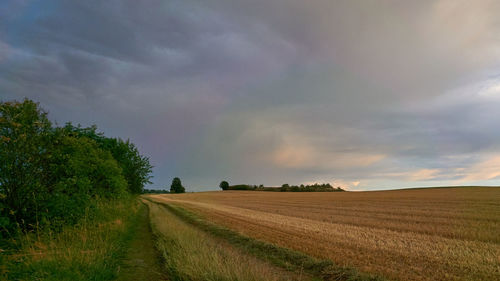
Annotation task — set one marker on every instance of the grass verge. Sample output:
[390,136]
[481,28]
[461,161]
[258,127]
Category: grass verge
[191,254]
[91,250]
[285,258]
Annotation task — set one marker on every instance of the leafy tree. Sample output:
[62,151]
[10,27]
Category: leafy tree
[224,185]
[25,134]
[53,176]
[176,186]
[79,172]
[136,168]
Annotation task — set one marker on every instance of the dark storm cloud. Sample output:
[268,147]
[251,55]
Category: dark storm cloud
[366,94]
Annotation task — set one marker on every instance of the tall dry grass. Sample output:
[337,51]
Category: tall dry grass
[91,250]
[191,254]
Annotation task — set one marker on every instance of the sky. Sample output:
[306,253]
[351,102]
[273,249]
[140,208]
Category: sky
[366,95]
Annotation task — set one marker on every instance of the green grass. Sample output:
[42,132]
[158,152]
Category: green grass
[285,258]
[142,261]
[91,250]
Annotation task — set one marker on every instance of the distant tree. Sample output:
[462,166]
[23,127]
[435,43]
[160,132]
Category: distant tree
[224,185]
[285,185]
[176,186]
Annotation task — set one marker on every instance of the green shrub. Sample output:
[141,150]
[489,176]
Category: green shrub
[136,168]
[51,176]
[25,135]
[79,172]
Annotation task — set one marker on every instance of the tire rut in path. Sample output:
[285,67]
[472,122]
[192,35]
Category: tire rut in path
[142,261]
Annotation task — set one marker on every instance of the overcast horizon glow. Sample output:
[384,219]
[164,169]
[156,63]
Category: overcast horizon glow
[362,94]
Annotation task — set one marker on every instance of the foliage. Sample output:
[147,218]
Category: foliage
[136,168]
[326,187]
[224,185]
[176,186]
[89,250]
[78,172]
[287,188]
[51,176]
[154,191]
[241,187]
[25,134]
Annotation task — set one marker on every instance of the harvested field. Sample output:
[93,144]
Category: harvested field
[418,234]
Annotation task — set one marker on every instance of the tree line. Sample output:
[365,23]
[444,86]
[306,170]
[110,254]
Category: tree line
[155,191]
[325,187]
[52,175]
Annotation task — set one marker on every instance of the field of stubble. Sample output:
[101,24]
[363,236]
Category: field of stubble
[417,234]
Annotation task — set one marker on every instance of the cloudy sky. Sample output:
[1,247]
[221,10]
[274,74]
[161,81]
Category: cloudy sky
[363,94]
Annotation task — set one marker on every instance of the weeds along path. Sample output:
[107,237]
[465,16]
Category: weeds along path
[191,254]
[93,249]
[305,223]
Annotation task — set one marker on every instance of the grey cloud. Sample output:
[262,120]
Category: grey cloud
[216,89]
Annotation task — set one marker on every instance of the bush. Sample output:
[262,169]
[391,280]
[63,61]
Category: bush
[25,134]
[51,176]
[79,171]
[136,168]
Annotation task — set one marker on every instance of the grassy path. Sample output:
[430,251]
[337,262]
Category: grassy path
[142,261]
